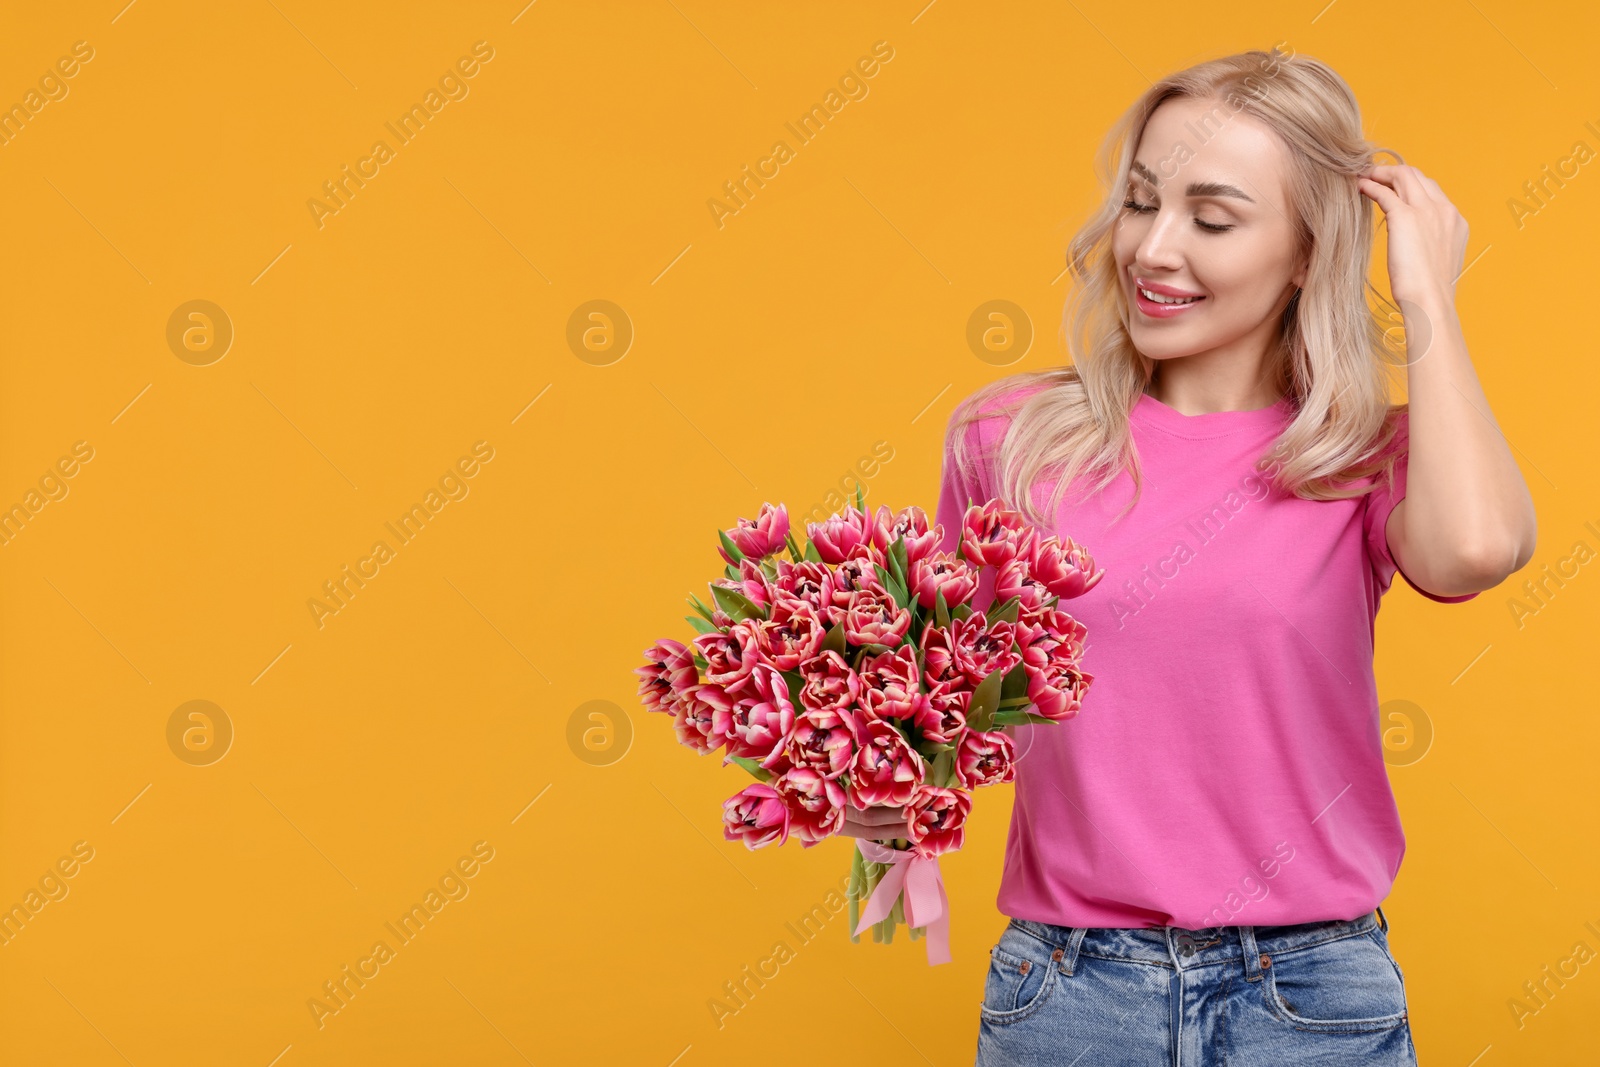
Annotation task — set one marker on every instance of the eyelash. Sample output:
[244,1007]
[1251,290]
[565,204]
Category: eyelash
[1209,227]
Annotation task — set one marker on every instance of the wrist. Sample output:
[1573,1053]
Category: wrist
[1434,302]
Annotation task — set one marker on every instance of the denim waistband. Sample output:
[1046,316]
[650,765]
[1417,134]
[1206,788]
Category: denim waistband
[1174,946]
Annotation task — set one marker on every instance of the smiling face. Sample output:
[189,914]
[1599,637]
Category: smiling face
[1206,217]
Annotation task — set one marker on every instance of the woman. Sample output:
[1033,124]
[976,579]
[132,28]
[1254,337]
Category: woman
[1195,863]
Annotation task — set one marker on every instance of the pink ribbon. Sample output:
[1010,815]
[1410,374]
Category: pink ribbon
[926,903]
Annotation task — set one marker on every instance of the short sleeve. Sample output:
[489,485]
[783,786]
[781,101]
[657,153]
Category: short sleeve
[1380,504]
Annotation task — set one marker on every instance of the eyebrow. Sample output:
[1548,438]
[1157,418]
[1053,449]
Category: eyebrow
[1195,189]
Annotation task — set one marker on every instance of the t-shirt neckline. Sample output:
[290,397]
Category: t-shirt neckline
[1211,423]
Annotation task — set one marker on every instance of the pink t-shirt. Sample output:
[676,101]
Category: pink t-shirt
[1226,768]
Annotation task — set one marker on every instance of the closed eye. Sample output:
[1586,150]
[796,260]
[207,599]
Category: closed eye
[1141,209]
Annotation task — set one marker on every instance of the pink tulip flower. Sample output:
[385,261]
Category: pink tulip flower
[824,741]
[730,656]
[992,535]
[756,815]
[758,727]
[941,712]
[889,682]
[816,804]
[957,579]
[1063,566]
[752,583]
[887,770]
[938,819]
[1052,635]
[793,635]
[670,672]
[978,650]
[762,537]
[838,537]
[807,580]
[985,757]
[830,683]
[873,618]
[912,524]
[1014,579]
[1057,690]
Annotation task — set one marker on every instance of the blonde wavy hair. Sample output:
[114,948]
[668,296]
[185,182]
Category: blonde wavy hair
[1335,364]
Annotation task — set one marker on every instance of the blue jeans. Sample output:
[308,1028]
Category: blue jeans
[1314,993]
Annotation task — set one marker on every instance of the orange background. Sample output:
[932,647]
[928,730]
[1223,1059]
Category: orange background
[818,332]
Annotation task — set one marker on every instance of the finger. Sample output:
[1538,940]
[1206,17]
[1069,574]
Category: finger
[1386,197]
[1409,184]
[1393,176]
[882,817]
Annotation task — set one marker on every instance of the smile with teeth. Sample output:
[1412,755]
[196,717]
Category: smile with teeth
[1157,298]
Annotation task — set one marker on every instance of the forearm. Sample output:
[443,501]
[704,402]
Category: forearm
[1468,517]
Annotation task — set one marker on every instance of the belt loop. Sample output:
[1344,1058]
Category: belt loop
[1252,954]
[1069,953]
[1383,920]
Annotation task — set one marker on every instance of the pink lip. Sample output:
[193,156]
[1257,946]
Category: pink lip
[1162,290]
[1162,311]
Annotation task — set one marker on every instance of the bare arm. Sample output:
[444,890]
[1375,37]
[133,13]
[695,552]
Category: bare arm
[1467,520]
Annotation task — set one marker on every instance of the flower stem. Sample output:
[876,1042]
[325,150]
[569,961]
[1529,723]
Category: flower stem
[857,879]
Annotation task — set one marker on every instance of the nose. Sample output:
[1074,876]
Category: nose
[1160,248]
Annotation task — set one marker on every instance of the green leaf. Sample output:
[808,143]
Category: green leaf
[985,702]
[944,769]
[796,682]
[700,624]
[1016,684]
[794,546]
[1007,612]
[860,499]
[941,609]
[897,552]
[897,572]
[700,661]
[834,639]
[728,546]
[811,552]
[1018,717]
[961,611]
[753,767]
[736,604]
[700,607]
[897,589]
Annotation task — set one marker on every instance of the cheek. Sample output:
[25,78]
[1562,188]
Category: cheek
[1123,235]
[1244,293]
[1253,269]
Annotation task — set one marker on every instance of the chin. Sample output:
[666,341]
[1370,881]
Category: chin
[1157,345]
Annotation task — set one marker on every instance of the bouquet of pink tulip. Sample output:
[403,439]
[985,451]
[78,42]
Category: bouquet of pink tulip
[857,672]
